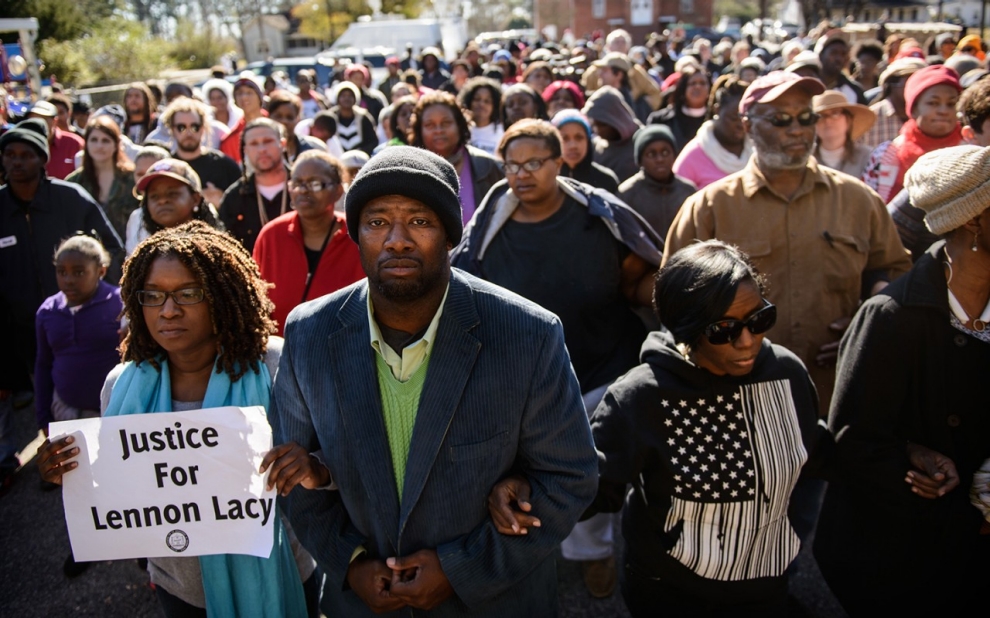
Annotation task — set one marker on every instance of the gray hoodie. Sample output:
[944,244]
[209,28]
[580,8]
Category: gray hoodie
[607,106]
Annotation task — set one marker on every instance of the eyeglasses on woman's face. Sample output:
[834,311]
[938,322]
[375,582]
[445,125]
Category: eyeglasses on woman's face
[157,298]
[310,185]
[530,166]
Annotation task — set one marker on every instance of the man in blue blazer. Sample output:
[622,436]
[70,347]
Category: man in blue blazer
[417,390]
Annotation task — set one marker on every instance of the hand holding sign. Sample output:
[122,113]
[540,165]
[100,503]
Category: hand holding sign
[54,459]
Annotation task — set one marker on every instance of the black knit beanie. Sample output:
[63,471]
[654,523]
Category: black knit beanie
[649,134]
[33,132]
[409,172]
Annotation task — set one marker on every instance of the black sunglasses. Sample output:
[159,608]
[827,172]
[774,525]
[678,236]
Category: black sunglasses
[727,331]
[783,119]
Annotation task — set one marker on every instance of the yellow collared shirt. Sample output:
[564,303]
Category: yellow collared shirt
[405,365]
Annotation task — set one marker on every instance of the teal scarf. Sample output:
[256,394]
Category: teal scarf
[235,585]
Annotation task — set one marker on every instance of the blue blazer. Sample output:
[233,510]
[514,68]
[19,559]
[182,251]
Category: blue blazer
[500,397]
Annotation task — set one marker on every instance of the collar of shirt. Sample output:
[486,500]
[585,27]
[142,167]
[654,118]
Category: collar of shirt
[413,355]
[753,179]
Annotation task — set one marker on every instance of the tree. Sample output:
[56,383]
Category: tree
[62,19]
[118,50]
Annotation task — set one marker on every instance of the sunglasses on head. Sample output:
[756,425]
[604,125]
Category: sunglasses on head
[783,119]
[727,331]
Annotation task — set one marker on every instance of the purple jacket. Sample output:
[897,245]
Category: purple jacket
[76,351]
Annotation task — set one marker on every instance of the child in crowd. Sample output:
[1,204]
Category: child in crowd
[77,334]
[655,192]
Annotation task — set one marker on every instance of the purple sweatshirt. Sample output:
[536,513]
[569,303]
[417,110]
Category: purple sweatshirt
[76,350]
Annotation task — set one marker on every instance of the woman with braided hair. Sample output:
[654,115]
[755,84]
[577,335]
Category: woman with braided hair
[200,337]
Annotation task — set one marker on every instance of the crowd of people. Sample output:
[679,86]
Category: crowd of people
[724,288]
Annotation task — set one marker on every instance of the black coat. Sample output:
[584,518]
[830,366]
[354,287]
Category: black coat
[905,374]
[28,240]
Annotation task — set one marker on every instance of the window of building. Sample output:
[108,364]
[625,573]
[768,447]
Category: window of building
[687,7]
[598,9]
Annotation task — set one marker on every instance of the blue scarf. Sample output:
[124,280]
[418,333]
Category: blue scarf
[235,585]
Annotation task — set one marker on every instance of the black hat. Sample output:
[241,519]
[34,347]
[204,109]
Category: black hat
[410,172]
[33,132]
[649,134]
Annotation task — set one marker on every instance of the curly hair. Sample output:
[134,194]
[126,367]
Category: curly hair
[237,295]
[445,99]
[974,105]
[471,87]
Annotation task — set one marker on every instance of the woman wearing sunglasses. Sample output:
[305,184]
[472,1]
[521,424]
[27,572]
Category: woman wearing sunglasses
[199,338]
[711,431]
[306,252]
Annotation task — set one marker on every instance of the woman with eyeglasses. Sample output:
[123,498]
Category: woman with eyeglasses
[306,252]
[580,253]
[930,97]
[200,338]
[711,432]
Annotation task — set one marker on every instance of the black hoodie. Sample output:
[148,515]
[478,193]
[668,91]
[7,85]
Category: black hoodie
[712,461]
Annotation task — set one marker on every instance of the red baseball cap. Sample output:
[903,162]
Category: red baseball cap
[769,87]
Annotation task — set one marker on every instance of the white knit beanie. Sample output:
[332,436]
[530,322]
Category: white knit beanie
[951,185]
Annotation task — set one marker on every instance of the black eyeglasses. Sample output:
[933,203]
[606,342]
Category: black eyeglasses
[157,298]
[194,127]
[311,185]
[783,119]
[530,166]
[727,331]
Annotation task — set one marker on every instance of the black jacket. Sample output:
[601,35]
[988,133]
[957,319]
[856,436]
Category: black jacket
[28,240]
[591,173]
[486,170]
[905,374]
[239,210]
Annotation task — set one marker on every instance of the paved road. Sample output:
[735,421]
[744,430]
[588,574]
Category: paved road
[34,543]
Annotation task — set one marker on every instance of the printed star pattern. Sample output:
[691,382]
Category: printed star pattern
[711,452]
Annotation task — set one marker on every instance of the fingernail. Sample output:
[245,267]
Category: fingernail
[70,440]
[515,528]
[537,523]
[524,531]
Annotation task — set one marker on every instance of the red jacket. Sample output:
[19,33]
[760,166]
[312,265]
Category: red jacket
[281,256]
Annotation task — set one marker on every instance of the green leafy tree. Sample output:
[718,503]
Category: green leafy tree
[118,50]
[62,19]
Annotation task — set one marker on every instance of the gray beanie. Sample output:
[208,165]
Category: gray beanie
[33,132]
[409,172]
[951,185]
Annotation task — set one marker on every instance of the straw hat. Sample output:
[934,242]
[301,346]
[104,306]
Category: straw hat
[862,116]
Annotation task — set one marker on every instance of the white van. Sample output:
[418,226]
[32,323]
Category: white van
[398,33]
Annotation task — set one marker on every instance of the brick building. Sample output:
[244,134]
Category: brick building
[639,17]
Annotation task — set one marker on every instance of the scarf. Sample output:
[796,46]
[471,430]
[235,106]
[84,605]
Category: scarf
[722,158]
[911,144]
[235,585]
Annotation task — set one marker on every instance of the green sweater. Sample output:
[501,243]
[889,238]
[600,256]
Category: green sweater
[400,402]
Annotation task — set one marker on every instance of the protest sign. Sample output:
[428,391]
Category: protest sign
[169,484]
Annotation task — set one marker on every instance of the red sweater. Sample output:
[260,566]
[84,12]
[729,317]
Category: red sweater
[281,256]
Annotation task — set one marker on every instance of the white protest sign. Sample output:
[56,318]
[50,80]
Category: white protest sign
[169,484]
